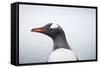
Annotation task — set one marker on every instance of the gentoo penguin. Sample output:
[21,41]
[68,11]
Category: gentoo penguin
[61,49]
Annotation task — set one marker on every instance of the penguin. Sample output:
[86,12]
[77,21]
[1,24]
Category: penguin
[61,50]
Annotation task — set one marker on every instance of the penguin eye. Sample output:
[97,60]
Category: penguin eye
[50,29]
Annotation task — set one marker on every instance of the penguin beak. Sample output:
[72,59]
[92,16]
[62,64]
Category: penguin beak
[38,30]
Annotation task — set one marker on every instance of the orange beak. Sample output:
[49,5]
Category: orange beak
[38,30]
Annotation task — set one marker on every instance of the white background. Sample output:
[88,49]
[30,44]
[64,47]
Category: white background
[5,34]
[77,23]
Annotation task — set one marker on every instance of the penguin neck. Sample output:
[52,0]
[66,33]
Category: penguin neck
[60,42]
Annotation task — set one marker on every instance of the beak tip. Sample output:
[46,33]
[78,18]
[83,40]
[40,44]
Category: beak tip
[31,30]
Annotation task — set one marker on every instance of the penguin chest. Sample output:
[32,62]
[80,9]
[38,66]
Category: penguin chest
[62,54]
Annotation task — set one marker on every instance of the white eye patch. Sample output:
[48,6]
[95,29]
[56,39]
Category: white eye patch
[54,25]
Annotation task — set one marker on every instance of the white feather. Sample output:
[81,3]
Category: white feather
[62,54]
[54,25]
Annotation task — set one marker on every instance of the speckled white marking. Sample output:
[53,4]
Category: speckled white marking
[54,25]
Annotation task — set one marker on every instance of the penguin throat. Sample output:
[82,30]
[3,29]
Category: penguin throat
[60,42]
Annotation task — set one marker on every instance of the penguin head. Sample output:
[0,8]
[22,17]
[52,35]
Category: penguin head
[51,29]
